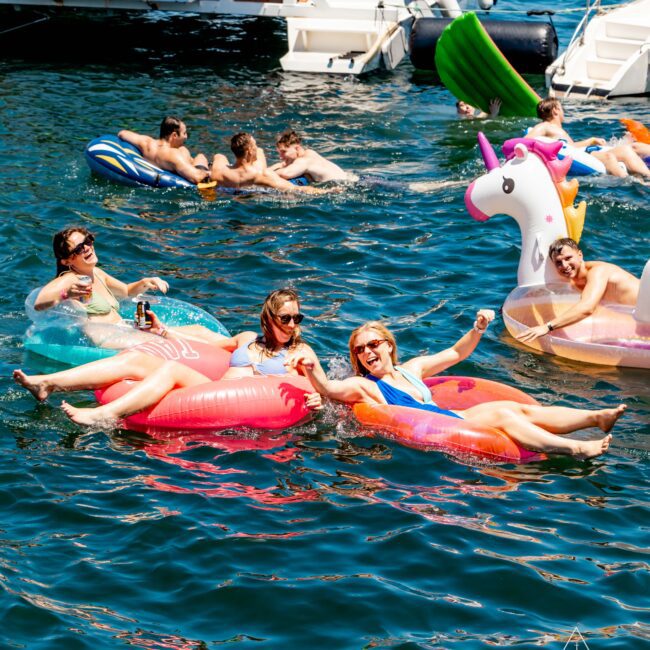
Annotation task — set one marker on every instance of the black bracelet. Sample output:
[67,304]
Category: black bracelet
[550,327]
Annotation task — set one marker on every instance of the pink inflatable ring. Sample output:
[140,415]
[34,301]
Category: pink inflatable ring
[273,402]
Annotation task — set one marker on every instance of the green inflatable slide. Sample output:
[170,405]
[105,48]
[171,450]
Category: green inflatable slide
[475,71]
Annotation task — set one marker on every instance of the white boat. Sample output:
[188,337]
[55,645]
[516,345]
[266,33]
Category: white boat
[608,55]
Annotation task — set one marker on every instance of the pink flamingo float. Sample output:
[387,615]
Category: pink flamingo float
[531,187]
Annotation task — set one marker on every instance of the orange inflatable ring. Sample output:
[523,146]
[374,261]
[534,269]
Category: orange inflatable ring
[426,430]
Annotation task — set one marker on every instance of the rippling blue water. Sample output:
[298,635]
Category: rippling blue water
[317,537]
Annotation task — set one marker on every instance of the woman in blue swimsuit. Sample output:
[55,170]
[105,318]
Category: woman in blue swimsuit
[379,380]
[269,353]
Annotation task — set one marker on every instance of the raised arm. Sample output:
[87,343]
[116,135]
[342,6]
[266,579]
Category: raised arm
[271,179]
[62,288]
[123,290]
[132,137]
[348,390]
[590,142]
[427,366]
[297,168]
[184,166]
[147,284]
[592,294]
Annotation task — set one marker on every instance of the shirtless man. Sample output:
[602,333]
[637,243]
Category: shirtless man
[551,113]
[597,282]
[250,168]
[168,151]
[298,161]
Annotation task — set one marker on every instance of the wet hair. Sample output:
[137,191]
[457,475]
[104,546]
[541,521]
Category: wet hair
[545,108]
[458,104]
[272,304]
[556,247]
[61,247]
[169,126]
[288,138]
[239,144]
[385,333]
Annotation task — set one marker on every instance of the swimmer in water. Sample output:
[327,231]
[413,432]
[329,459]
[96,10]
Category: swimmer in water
[169,151]
[551,112]
[463,109]
[297,160]
[250,168]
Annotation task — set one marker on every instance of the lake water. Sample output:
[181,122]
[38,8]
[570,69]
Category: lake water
[318,536]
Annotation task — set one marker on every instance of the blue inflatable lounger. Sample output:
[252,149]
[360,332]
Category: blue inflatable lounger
[583,163]
[122,162]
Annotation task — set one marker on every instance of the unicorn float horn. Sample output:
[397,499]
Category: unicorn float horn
[487,151]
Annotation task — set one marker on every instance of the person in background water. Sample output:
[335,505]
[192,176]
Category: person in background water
[250,168]
[380,380]
[551,112]
[463,109]
[169,151]
[597,282]
[297,160]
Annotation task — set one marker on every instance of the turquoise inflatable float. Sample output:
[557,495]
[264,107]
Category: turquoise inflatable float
[66,334]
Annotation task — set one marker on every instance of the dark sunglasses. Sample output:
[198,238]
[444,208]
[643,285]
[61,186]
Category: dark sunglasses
[79,248]
[371,345]
[285,319]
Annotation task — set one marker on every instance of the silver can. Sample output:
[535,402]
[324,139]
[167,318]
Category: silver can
[85,281]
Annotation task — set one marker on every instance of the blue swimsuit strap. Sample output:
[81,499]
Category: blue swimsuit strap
[417,382]
[397,397]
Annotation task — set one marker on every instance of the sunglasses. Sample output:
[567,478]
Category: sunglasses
[285,319]
[79,248]
[371,345]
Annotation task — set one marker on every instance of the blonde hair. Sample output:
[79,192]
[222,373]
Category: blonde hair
[385,333]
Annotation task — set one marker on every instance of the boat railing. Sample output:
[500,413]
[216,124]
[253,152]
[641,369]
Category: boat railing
[594,7]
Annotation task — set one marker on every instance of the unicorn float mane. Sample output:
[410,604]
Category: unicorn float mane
[558,169]
[530,187]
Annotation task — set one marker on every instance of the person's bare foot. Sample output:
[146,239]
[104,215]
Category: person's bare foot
[87,417]
[592,448]
[34,384]
[606,418]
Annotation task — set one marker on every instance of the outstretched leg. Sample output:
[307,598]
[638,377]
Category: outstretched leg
[562,419]
[535,427]
[634,163]
[151,390]
[97,374]
[611,163]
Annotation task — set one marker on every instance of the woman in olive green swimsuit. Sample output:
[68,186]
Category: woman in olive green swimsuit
[74,250]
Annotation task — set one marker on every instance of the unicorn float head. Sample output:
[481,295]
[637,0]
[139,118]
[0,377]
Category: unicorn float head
[531,187]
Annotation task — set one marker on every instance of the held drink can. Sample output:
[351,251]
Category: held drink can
[142,320]
[86,281]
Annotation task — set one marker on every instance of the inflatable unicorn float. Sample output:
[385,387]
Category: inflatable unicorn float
[531,187]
